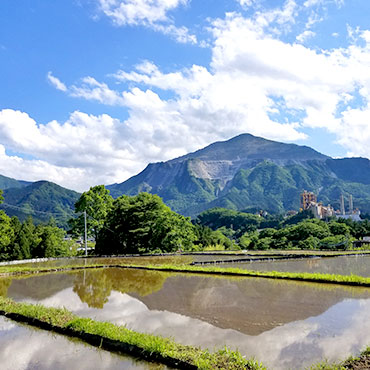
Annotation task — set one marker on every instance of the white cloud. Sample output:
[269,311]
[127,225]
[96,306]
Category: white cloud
[94,90]
[305,35]
[136,12]
[83,150]
[148,13]
[59,85]
[246,3]
[311,3]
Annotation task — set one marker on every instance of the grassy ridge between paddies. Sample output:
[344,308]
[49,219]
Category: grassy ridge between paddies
[361,362]
[351,280]
[354,280]
[120,339]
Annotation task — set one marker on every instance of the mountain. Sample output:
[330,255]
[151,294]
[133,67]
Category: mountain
[8,182]
[42,200]
[251,172]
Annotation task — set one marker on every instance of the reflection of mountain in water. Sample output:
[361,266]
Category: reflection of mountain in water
[251,306]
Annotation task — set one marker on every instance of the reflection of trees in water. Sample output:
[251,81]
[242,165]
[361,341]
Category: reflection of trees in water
[4,285]
[94,286]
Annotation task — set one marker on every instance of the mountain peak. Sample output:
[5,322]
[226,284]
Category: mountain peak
[248,147]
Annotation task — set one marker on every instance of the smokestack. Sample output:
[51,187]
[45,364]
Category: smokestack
[342,210]
[350,204]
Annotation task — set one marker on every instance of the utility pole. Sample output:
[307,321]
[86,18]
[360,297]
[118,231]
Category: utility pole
[85,233]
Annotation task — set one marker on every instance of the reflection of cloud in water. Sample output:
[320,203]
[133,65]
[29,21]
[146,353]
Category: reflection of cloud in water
[26,348]
[342,330]
[6,324]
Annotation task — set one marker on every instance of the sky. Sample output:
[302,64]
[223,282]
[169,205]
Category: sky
[91,91]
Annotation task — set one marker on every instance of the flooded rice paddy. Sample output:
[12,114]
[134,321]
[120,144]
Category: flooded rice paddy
[284,324]
[344,265]
[24,347]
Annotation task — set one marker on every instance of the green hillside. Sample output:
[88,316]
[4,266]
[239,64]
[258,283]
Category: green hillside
[42,200]
[276,189]
[8,182]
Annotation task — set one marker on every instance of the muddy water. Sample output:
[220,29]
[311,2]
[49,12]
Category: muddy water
[356,265]
[139,260]
[23,347]
[283,324]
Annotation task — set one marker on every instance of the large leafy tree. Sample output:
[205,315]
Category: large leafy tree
[6,234]
[51,243]
[6,237]
[143,224]
[97,202]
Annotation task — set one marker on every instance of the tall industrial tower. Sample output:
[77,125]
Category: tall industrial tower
[342,210]
[350,204]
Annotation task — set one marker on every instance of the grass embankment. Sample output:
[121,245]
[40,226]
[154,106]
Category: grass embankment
[299,276]
[121,339]
[351,280]
[362,362]
[21,270]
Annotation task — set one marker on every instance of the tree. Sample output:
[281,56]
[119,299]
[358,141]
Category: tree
[337,228]
[305,229]
[97,202]
[6,237]
[143,224]
[241,222]
[51,242]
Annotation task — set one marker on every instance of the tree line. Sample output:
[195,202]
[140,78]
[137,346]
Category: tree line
[24,240]
[139,224]
[300,231]
[144,224]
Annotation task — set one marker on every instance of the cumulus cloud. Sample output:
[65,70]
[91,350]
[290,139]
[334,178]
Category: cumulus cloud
[148,13]
[84,150]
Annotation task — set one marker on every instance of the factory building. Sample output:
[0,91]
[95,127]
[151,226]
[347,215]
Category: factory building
[309,201]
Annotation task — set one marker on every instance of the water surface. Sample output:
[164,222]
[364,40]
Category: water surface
[138,260]
[25,347]
[343,265]
[283,324]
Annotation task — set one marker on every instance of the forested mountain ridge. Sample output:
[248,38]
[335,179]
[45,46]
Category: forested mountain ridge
[8,182]
[41,200]
[251,172]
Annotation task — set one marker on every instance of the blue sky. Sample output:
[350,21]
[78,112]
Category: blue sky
[94,90]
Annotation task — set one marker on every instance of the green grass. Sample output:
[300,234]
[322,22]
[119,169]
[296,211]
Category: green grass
[349,363]
[300,276]
[144,345]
